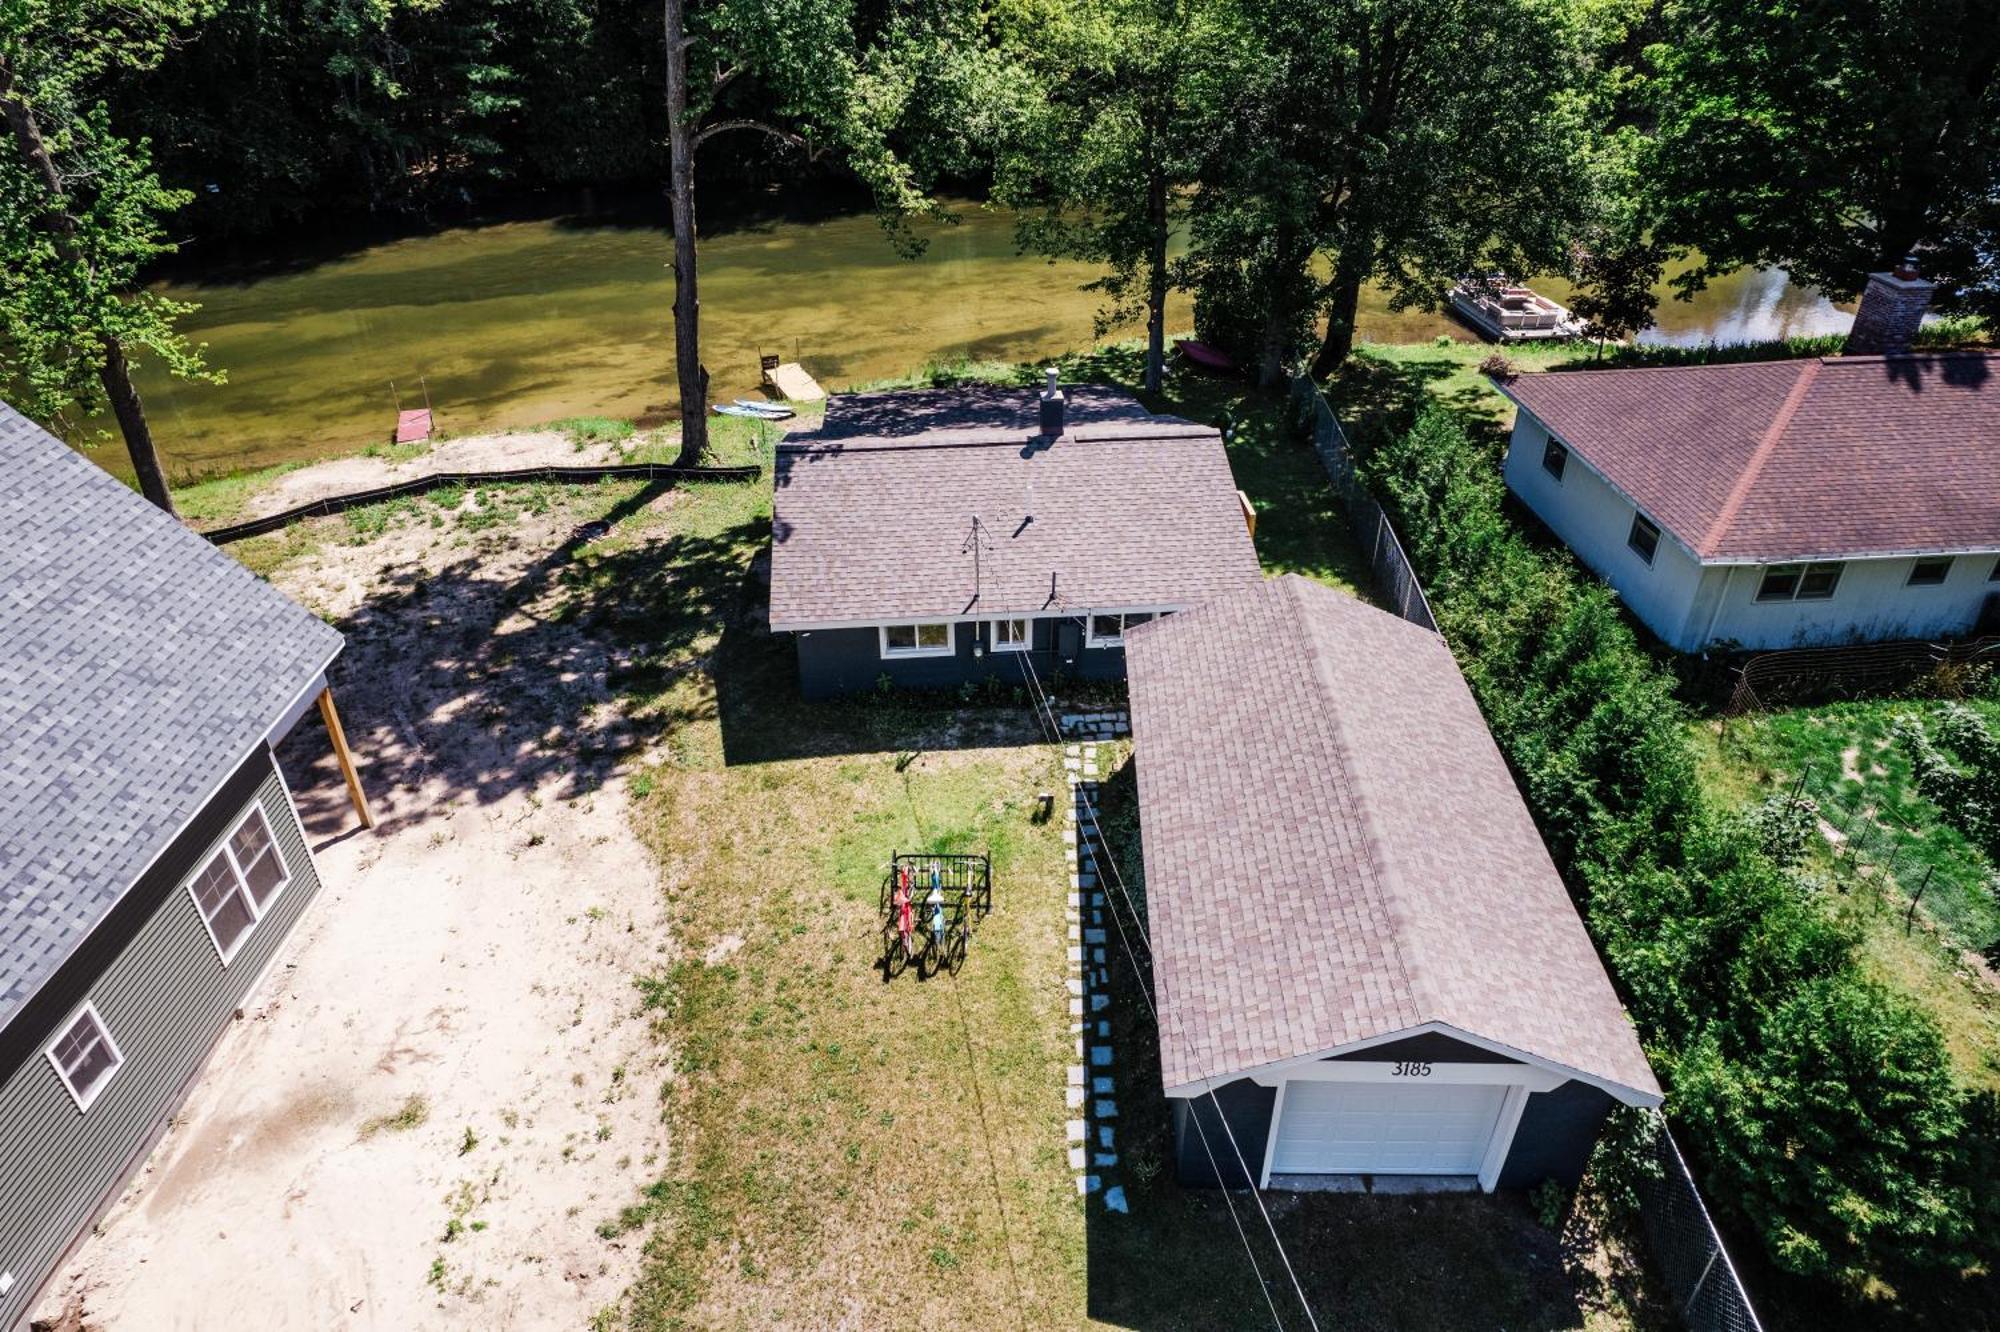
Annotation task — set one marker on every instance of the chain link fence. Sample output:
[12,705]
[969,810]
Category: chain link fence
[1707,1292]
[1682,1238]
[1394,578]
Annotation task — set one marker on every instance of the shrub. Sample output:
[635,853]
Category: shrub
[1967,791]
[1783,826]
[1826,1111]
[1837,1133]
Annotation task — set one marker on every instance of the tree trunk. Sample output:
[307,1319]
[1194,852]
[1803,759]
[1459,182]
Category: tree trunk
[114,373]
[1156,281]
[1343,305]
[687,302]
[116,376]
[1289,259]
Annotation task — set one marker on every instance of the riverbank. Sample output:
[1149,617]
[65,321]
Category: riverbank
[506,325]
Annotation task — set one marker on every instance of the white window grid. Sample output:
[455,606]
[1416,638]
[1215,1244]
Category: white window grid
[227,853]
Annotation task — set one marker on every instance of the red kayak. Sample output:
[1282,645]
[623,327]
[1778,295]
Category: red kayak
[1212,358]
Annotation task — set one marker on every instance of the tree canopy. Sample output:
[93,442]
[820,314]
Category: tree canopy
[1832,138]
[81,214]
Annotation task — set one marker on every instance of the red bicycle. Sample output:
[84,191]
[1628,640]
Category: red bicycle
[899,933]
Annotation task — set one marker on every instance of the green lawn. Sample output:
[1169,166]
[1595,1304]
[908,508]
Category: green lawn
[846,1150]
[1882,842]
[855,1151]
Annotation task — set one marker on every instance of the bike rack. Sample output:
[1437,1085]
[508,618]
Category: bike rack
[964,884]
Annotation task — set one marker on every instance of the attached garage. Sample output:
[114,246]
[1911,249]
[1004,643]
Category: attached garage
[1364,961]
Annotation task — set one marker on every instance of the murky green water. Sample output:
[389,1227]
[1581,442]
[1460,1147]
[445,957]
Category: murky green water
[521,323]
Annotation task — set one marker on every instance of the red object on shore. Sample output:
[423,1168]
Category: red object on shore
[1214,358]
[414,425]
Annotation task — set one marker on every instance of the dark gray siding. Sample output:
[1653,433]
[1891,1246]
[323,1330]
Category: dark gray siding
[1248,1107]
[1430,1047]
[1557,1131]
[166,998]
[848,661]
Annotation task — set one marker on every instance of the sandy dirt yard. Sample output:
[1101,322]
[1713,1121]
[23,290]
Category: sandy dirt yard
[474,453]
[445,1085]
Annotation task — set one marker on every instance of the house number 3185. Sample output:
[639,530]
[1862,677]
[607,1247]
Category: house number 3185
[1409,1070]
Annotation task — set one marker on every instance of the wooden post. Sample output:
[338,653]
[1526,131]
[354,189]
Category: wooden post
[331,716]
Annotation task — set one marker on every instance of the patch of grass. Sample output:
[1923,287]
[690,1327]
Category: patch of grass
[583,430]
[372,520]
[391,452]
[412,1113]
[1848,762]
[215,501]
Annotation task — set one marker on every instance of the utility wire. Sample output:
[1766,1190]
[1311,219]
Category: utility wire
[1104,849]
[1046,723]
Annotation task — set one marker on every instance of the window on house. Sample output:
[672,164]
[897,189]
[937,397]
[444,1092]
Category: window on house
[1012,635]
[1930,572]
[1994,577]
[1109,630]
[1644,538]
[917,640]
[238,883]
[85,1056]
[1800,582]
[1554,458]
[1818,581]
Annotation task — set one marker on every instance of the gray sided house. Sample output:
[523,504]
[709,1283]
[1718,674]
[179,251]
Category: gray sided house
[151,862]
[939,537]
[1365,963]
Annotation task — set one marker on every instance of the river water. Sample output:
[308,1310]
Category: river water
[520,323]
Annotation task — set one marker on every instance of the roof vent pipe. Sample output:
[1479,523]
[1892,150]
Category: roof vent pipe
[1891,310]
[1052,408]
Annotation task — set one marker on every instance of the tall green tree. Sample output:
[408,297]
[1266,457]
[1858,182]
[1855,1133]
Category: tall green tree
[1831,138]
[80,217]
[818,76]
[1104,151]
[1429,150]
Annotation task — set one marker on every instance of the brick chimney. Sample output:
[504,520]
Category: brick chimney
[1891,309]
[1053,407]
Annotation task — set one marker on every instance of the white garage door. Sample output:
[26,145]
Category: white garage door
[1376,1128]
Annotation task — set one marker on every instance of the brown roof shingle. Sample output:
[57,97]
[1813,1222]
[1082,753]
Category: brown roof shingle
[1335,850]
[1839,457]
[871,513]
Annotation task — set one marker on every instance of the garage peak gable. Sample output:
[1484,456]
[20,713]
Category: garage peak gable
[1515,1067]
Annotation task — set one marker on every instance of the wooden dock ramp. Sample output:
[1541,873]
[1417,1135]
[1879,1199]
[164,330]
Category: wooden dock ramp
[793,383]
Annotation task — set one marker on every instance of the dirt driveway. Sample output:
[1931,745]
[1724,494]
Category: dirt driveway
[444,1087]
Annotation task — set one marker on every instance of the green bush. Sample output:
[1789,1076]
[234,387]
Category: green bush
[1966,791]
[1826,1115]
[1837,1133]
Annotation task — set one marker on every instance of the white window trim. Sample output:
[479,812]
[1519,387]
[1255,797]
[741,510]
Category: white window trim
[1632,532]
[1557,473]
[950,647]
[228,851]
[1950,565]
[1090,638]
[89,1009]
[993,643]
[1757,597]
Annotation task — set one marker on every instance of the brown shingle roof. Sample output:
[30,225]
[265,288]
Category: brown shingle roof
[871,513]
[1335,850]
[1779,460]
